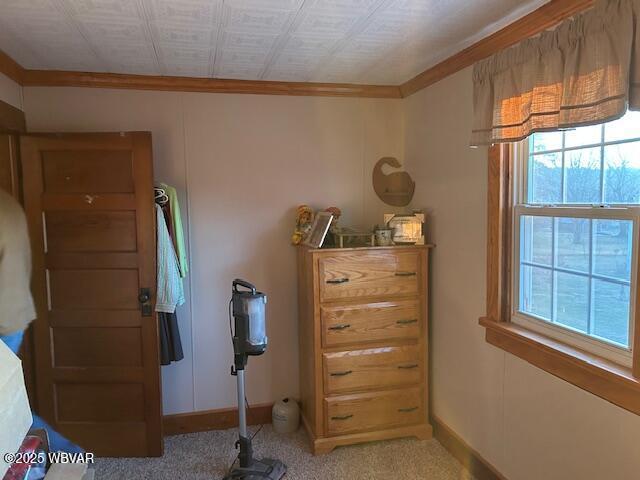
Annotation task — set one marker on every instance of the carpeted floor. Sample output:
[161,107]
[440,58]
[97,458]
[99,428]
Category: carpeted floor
[207,456]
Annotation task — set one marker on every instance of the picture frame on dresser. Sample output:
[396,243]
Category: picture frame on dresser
[319,229]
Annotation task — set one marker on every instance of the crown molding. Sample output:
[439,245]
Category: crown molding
[55,78]
[11,68]
[547,16]
[541,19]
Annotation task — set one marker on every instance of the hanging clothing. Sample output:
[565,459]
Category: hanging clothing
[170,292]
[166,209]
[170,343]
[176,226]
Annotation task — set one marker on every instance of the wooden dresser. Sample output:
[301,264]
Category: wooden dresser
[363,344]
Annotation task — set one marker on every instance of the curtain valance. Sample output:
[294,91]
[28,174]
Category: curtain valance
[585,71]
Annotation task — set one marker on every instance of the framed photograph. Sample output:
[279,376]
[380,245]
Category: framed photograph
[407,228]
[319,229]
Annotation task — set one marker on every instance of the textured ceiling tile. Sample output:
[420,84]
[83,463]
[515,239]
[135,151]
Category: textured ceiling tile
[248,41]
[252,20]
[190,12]
[237,57]
[185,55]
[243,72]
[322,23]
[188,69]
[102,9]
[28,7]
[131,30]
[370,41]
[345,5]
[268,4]
[317,45]
[296,62]
[181,35]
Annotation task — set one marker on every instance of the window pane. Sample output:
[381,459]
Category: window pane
[545,178]
[622,173]
[572,300]
[542,142]
[536,239]
[582,175]
[612,247]
[572,238]
[611,311]
[625,128]
[583,136]
[576,273]
[535,288]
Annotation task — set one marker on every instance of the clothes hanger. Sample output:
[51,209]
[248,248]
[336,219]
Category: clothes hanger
[160,196]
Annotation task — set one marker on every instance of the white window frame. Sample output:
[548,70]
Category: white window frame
[590,343]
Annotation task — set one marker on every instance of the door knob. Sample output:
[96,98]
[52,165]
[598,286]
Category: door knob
[144,297]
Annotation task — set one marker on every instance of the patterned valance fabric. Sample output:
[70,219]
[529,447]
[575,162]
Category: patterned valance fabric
[585,71]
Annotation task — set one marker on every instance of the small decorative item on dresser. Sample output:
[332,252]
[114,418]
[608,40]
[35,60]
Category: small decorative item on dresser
[407,228]
[383,236]
[319,230]
[336,212]
[352,238]
[285,416]
[304,217]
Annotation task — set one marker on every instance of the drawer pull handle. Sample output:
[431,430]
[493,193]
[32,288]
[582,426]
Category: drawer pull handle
[342,417]
[407,321]
[341,374]
[407,410]
[342,326]
[338,280]
[406,274]
[407,367]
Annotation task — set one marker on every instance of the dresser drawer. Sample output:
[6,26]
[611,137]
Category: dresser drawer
[369,322]
[373,411]
[372,368]
[379,273]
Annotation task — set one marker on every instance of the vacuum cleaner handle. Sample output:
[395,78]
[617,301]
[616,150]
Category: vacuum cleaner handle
[244,284]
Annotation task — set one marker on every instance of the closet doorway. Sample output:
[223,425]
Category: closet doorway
[89,204]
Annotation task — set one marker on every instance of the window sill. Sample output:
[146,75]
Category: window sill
[594,374]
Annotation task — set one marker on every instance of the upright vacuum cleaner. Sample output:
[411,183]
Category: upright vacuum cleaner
[249,338]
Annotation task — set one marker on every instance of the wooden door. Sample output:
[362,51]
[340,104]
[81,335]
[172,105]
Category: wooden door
[89,204]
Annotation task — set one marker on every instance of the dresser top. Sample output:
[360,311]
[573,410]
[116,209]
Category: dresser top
[351,249]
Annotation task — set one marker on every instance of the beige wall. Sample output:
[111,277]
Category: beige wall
[530,425]
[10,91]
[241,163]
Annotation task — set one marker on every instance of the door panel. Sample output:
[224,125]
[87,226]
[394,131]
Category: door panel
[95,289]
[97,347]
[91,231]
[89,203]
[99,402]
[87,171]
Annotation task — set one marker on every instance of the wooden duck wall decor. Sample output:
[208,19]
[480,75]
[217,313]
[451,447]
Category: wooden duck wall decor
[396,188]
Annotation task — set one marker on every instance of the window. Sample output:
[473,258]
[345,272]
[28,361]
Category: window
[576,219]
